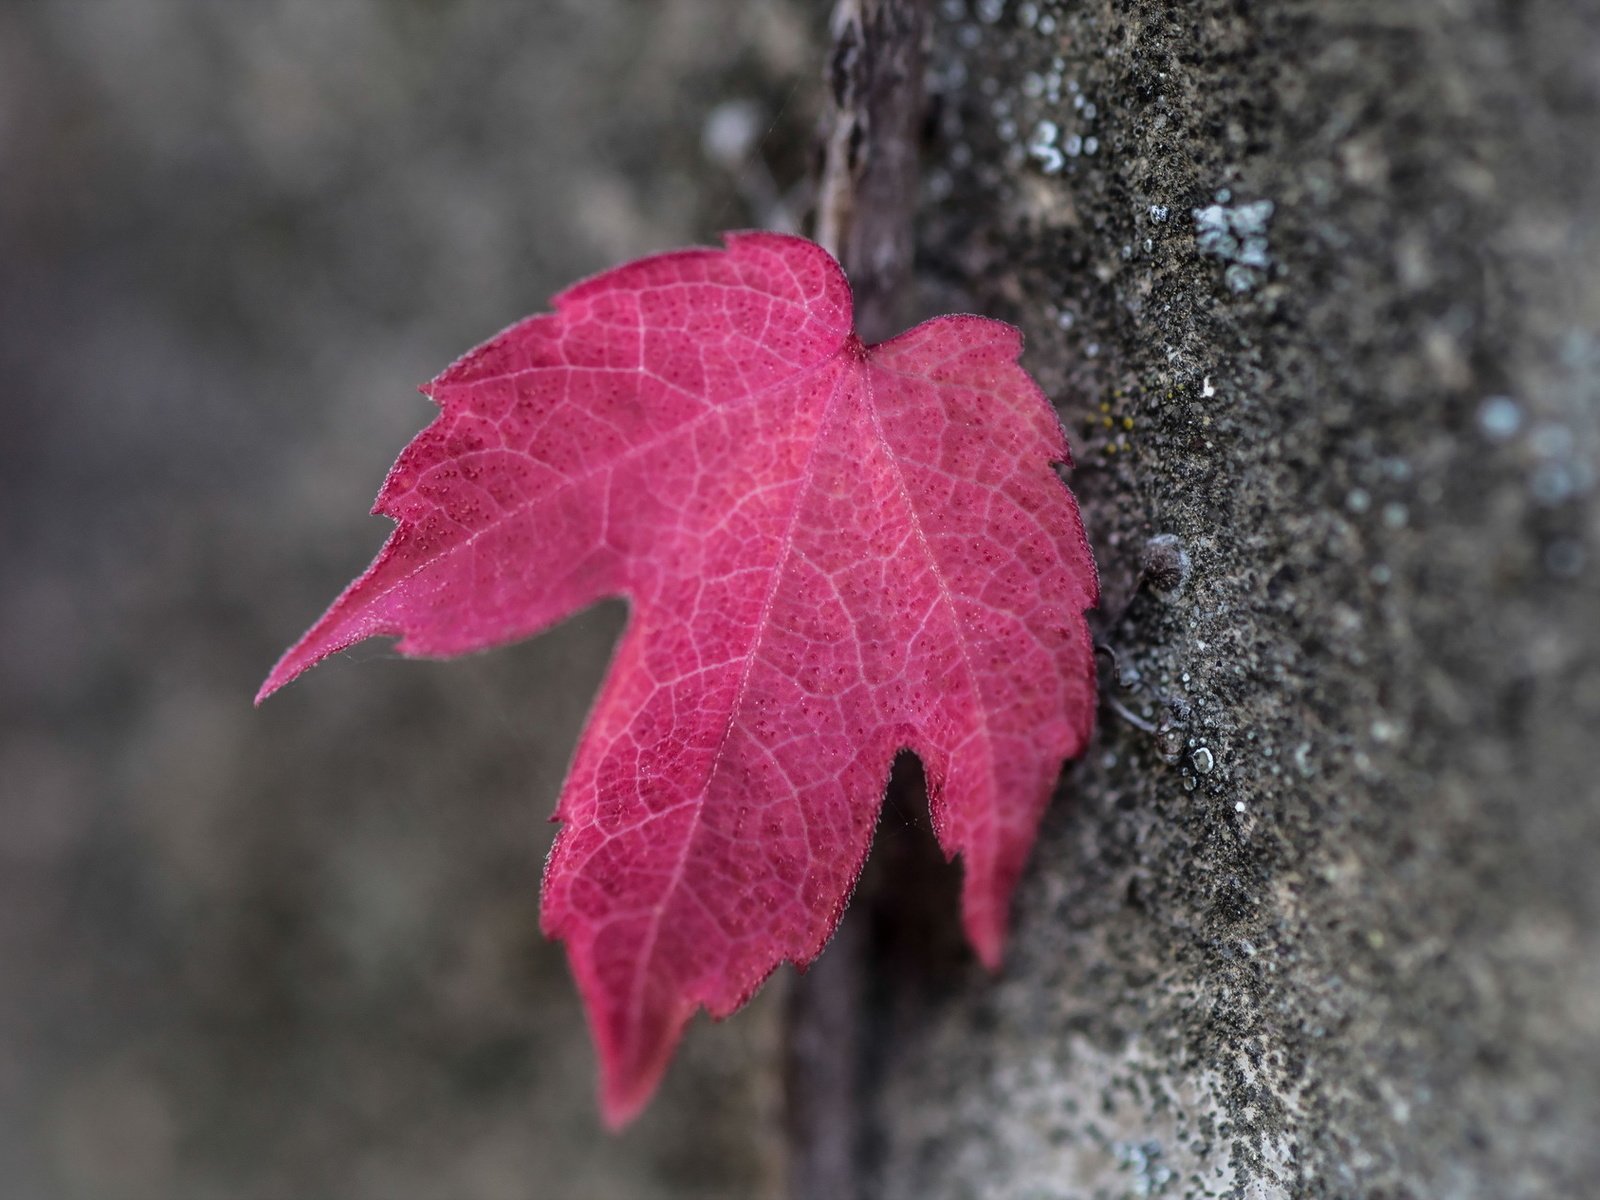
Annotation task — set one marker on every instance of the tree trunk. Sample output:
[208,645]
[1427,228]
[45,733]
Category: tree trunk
[1317,289]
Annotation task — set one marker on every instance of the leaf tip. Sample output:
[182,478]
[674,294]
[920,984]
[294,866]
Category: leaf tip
[286,671]
[986,933]
[634,1034]
[629,1076]
[619,1108]
[327,637]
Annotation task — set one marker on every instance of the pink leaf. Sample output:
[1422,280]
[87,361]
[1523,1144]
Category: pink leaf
[832,552]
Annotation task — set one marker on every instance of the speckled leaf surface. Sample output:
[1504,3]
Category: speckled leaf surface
[831,552]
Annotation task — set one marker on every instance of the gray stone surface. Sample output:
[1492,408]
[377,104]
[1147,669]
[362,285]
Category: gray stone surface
[1318,288]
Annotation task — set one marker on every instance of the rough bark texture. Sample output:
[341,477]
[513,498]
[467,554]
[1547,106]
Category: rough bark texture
[1318,287]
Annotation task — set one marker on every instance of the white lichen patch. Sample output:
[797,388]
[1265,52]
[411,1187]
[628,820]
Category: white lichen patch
[1042,147]
[1236,235]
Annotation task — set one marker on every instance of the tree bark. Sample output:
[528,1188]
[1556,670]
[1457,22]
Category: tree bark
[1317,289]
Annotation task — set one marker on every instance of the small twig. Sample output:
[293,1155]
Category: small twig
[865,203]
[868,192]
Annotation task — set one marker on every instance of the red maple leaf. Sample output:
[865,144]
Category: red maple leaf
[832,552]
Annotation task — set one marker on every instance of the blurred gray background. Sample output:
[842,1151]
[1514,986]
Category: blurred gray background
[294,952]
